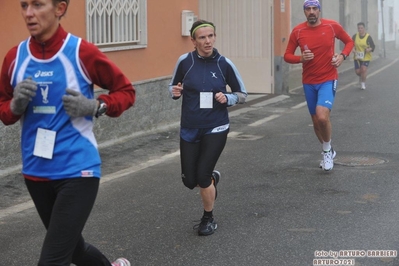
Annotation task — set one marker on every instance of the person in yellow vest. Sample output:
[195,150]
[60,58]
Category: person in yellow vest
[364,46]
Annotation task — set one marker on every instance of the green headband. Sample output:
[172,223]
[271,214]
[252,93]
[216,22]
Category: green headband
[200,26]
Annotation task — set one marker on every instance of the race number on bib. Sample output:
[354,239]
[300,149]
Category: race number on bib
[359,55]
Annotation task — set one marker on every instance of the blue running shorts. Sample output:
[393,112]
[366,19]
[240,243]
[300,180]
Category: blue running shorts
[359,63]
[322,94]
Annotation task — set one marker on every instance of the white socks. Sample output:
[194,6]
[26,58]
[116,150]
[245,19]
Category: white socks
[326,146]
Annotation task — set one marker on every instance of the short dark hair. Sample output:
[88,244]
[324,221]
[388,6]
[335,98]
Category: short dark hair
[199,23]
[361,24]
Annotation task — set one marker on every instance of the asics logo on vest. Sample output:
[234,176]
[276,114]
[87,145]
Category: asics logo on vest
[214,75]
[43,74]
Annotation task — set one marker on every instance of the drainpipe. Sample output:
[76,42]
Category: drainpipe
[383,28]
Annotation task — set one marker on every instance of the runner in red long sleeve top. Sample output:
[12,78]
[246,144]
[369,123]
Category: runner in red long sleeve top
[320,40]
[102,72]
[316,39]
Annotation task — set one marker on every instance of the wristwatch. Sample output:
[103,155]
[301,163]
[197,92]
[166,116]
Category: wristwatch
[344,55]
[102,108]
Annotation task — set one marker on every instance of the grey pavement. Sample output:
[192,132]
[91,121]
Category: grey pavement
[275,206]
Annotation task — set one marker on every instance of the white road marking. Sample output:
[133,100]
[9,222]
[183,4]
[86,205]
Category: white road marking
[264,120]
[270,101]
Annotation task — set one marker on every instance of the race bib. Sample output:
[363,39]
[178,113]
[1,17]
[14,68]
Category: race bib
[206,100]
[44,143]
[359,55]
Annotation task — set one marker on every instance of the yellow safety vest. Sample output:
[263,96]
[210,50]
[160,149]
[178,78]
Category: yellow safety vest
[360,48]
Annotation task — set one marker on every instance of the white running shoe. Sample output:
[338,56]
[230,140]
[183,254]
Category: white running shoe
[121,262]
[328,160]
[333,156]
[363,85]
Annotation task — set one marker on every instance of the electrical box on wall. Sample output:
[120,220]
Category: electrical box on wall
[187,20]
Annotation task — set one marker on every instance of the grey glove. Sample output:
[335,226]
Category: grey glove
[23,93]
[77,105]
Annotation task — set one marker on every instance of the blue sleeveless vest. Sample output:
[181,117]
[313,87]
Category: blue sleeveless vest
[75,152]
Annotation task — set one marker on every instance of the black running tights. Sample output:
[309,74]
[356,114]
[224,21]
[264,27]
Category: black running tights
[64,207]
[198,159]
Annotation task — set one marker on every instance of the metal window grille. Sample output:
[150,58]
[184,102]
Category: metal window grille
[116,23]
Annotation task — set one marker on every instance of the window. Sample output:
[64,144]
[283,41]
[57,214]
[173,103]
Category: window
[117,24]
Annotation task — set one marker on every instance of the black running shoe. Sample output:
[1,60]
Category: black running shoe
[206,227]
[216,177]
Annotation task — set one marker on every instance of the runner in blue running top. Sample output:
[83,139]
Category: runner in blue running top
[47,84]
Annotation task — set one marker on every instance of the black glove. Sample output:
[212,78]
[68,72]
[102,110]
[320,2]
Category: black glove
[23,93]
[76,104]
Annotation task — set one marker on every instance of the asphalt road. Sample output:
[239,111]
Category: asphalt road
[274,206]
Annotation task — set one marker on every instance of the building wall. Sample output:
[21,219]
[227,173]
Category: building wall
[396,16]
[281,28]
[353,16]
[391,24]
[244,30]
[165,43]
